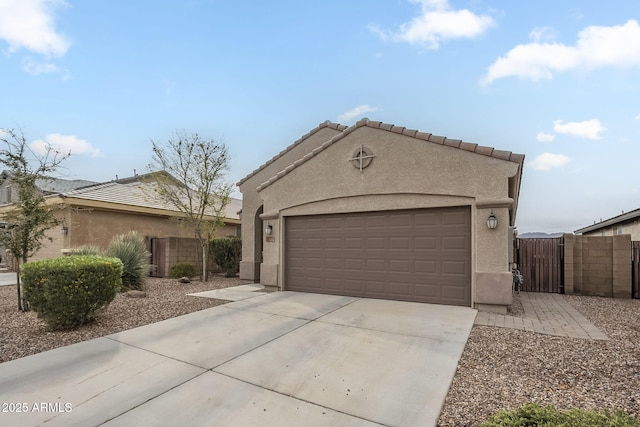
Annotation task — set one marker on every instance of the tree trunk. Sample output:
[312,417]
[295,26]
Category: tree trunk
[205,270]
[23,305]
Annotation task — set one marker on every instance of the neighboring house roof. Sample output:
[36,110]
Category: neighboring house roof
[59,185]
[619,219]
[133,193]
[325,124]
[54,185]
[441,140]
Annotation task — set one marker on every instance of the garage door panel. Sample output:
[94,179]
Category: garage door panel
[353,222]
[413,255]
[354,285]
[454,267]
[376,243]
[374,265]
[403,220]
[399,266]
[426,219]
[354,243]
[334,264]
[404,243]
[376,287]
[454,242]
[426,242]
[333,243]
[426,267]
[426,291]
[401,289]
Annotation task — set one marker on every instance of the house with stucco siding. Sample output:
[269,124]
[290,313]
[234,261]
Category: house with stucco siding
[377,210]
[93,213]
[625,223]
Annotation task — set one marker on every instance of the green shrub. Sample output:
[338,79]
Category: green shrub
[226,253]
[67,292]
[132,251]
[87,250]
[182,269]
[547,416]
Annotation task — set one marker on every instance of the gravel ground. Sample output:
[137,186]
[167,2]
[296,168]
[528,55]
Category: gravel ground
[499,369]
[22,334]
[505,368]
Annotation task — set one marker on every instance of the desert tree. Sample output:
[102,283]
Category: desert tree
[193,181]
[26,221]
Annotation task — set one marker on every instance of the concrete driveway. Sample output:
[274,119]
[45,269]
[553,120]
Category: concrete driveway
[280,359]
[8,279]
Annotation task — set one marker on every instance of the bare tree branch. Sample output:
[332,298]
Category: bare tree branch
[194,183]
[26,224]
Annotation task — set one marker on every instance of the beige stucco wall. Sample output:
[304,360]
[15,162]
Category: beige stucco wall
[98,227]
[251,201]
[405,173]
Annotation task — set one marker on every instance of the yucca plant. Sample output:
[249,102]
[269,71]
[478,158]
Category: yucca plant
[132,251]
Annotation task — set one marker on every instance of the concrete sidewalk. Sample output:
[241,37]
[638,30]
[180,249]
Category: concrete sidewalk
[545,313]
[278,359]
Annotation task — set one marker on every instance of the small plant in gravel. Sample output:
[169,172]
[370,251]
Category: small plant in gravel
[67,292]
[182,269]
[548,416]
[132,251]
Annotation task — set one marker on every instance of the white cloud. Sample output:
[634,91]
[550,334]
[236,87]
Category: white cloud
[542,34]
[356,112]
[36,68]
[637,117]
[545,137]
[597,47]
[547,161]
[64,144]
[29,24]
[438,21]
[590,129]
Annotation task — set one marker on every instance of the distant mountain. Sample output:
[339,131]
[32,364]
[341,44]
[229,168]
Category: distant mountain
[540,235]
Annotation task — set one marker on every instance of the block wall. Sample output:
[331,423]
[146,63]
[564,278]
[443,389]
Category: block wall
[598,265]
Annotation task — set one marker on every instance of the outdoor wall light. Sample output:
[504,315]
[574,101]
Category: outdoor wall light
[492,221]
[64,230]
[268,229]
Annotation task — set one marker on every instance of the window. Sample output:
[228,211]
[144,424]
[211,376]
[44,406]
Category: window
[619,230]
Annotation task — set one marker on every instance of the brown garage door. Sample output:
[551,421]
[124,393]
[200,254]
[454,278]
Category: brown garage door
[419,255]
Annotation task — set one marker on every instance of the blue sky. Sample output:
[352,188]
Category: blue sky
[558,81]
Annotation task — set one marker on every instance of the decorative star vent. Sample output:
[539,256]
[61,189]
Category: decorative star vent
[362,158]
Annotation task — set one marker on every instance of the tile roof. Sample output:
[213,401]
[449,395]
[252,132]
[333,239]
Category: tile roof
[134,192]
[325,124]
[441,140]
[59,185]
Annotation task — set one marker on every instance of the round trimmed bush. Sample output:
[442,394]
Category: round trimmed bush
[182,269]
[67,292]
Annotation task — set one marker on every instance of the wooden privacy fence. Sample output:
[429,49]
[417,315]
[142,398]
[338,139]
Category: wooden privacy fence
[541,264]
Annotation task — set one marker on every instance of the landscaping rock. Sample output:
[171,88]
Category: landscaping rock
[135,294]
[184,280]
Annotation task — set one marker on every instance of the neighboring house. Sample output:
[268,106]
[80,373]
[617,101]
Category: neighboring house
[381,211]
[625,223]
[94,214]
